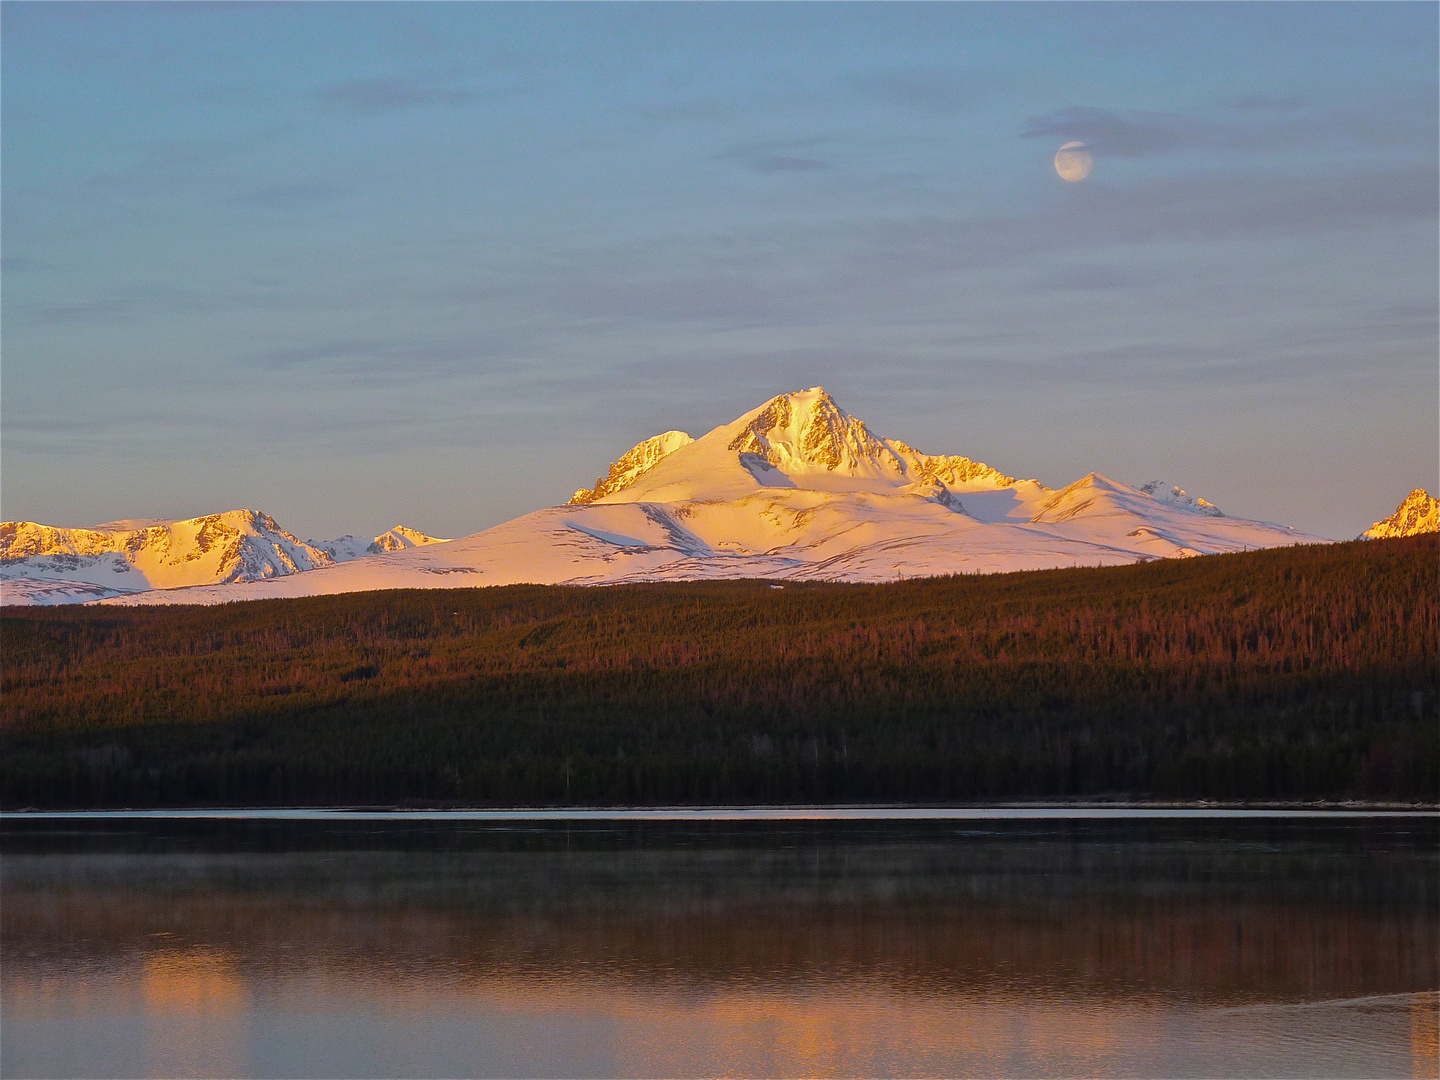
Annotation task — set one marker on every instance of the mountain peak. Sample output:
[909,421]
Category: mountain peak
[1418,512]
[400,538]
[807,429]
[802,439]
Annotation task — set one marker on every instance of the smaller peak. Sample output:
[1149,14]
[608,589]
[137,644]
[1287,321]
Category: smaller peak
[416,535]
[1090,494]
[632,465]
[401,538]
[1173,494]
[1418,512]
[1093,480]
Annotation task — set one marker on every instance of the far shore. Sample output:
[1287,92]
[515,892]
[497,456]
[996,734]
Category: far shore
[1088,810]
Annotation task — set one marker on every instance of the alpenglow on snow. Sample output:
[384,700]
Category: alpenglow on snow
[796,489]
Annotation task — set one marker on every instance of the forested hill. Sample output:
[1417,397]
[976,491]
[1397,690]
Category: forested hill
[1306,672]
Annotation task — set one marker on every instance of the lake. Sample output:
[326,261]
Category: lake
[997,943]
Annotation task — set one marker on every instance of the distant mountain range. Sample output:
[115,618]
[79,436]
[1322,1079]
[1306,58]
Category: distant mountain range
[40,564]
[797,489]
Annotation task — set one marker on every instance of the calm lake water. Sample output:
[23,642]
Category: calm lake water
[1130,946]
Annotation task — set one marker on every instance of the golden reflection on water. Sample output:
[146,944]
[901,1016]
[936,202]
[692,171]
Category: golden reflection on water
[1425,1035]
[195,1008]
[883,1033]
[195,1005]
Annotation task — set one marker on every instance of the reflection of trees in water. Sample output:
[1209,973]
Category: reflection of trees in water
[1245,914]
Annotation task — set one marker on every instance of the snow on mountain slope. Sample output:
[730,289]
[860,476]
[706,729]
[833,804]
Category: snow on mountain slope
[124,557]
[345,548]
[33,592]
[1418,512]
[796,489]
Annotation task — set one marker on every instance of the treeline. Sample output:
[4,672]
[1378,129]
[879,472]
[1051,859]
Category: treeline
[1297,673]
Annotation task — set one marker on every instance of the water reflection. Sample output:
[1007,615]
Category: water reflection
[1074,948]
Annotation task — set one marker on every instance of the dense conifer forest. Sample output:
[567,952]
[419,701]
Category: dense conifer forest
[1300,673]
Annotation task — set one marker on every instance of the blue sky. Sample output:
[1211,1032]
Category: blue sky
[441,263]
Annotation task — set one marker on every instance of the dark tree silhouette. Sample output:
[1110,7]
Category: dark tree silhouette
[1306,672]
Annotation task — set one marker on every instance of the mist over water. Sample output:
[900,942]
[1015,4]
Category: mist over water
[1032,948]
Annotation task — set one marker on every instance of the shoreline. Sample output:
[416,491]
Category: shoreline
[1036,810]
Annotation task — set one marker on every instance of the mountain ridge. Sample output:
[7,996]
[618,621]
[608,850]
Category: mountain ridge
[794,489]
[44,563]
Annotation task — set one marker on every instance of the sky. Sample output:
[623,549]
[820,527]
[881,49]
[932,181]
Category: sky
[439,264]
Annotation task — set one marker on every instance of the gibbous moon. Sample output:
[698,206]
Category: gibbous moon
[1074,162]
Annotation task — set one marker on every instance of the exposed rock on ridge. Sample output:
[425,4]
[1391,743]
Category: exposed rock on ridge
[632,465]
[1178,496]
[239,545]
[1418,512]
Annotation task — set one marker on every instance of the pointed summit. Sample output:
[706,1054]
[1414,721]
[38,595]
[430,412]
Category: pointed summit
[800,440]
[807,429]
[401,538]
[1419,512]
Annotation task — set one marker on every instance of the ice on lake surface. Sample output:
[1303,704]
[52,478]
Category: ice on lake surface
[336,946]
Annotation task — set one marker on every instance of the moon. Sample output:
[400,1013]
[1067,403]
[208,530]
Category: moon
[1073,162]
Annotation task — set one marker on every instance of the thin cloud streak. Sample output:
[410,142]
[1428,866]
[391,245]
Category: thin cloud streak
[289,196]
[1106,132]
[948,93]
[374,97]
[1138,134]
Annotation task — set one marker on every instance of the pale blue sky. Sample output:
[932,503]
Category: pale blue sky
[440,264]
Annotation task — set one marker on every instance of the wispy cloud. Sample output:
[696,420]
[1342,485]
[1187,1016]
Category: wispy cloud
[782,163]
[1134,135]
[1200,208]
[1257,124]
[371,97]
[401,357]
[1268,101]
[928,90]
[19,264]
[779,155]
[288,196]
[1087,278]
[123,303]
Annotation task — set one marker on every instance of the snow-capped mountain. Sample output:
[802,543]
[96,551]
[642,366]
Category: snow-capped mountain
[347,547]
[795,489]
[43,564]
[132,556]
[1418,512]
